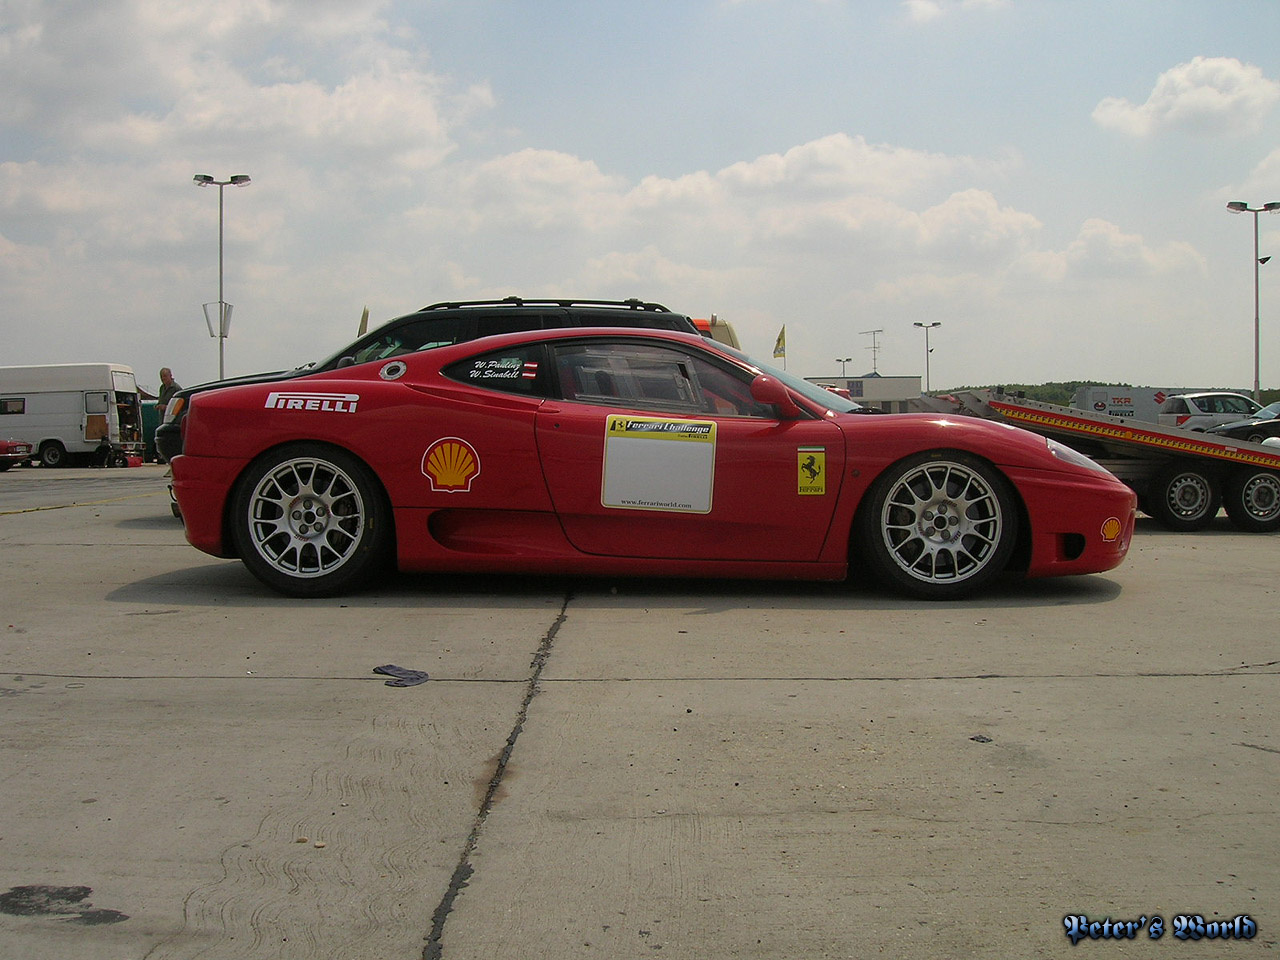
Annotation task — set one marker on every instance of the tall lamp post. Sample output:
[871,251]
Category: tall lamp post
[926,327]
[224,308]
[1239,206]
[842,361]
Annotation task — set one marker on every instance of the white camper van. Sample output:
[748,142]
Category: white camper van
[72,411]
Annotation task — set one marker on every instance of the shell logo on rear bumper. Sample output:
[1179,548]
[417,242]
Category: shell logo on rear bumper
[451,464]
[1111,529]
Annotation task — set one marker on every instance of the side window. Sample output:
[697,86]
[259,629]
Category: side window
[644,377]
[95,402]
[492,324]
[409,338]
[514,370]
[1234,405]
[13,405]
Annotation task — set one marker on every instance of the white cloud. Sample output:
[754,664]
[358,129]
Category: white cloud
[1103,251]
[1209,96]
[927,11]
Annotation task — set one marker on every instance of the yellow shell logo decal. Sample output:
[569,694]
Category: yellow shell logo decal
[451,464]
[1110,529]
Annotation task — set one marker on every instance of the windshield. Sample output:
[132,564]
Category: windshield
[1270,412]
[821,395]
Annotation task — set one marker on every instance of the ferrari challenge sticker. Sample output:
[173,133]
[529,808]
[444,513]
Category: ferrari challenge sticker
[811,471]
[451,464]
[656,464]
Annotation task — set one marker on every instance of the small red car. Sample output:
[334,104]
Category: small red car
[613,452]
[13,452]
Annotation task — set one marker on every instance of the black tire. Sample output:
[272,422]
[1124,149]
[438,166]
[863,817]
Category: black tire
[311,520]
[938,526]
[1184,497]
[1252,499]
[5,465]
[53,454]
[1256,437]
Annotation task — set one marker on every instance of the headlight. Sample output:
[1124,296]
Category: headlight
[174,408]
[1067,455]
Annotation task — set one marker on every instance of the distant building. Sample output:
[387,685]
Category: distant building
[890,394]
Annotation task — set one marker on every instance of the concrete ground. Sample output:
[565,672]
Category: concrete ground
[191,766]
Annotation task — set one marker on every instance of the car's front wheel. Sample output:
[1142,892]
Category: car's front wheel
[938,526]
[310,520]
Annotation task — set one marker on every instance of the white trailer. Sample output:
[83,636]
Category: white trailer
[72,412]
[1181,477]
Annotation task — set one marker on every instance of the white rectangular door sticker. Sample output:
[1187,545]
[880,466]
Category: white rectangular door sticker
[656,464]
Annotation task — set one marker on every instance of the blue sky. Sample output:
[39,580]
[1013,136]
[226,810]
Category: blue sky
[1046,179]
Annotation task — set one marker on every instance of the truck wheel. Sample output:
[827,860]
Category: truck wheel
[1184,497]
[53,454]
[311,521]
[1252,500]
[938,525]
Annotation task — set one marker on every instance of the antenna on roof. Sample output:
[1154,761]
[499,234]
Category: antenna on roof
[875,346]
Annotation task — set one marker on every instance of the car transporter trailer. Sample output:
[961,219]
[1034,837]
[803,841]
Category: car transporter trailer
[1181,477]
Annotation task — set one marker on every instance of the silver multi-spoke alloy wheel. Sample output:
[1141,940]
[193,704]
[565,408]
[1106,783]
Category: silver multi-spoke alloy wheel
[306,517]
[310,520]
[939,526]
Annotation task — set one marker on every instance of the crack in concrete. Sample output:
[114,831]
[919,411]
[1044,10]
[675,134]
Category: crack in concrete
[463,871]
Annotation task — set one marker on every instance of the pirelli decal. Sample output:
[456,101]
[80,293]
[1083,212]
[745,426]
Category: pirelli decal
[1110,431]
[307,400]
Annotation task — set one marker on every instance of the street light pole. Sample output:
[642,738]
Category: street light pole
[842,361]
[926,327]
[224,308]
[1239,206]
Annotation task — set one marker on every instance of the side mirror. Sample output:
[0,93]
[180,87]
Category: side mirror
[346,361]
[766,389]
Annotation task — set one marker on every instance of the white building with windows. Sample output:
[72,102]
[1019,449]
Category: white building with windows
[890,394]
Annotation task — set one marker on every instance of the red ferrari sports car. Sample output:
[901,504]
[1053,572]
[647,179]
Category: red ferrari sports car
[612,452]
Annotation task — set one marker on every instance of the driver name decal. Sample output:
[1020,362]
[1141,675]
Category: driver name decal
[651,463]
[324,402]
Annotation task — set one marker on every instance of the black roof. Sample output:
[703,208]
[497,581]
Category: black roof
[631,304]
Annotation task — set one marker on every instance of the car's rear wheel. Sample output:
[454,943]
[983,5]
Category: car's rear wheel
[311,520]
[939,525]
[1252,499]
[1184,497]
[53,454]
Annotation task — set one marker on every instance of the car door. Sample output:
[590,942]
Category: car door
[659,450]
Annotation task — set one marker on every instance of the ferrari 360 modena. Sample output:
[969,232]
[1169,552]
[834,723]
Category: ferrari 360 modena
[609,451]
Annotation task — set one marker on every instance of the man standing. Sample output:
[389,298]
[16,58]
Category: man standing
[168,387]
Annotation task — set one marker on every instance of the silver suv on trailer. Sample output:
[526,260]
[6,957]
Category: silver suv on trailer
[1200,411]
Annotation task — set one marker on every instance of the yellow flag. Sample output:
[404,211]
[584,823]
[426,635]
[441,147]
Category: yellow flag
[780,345]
